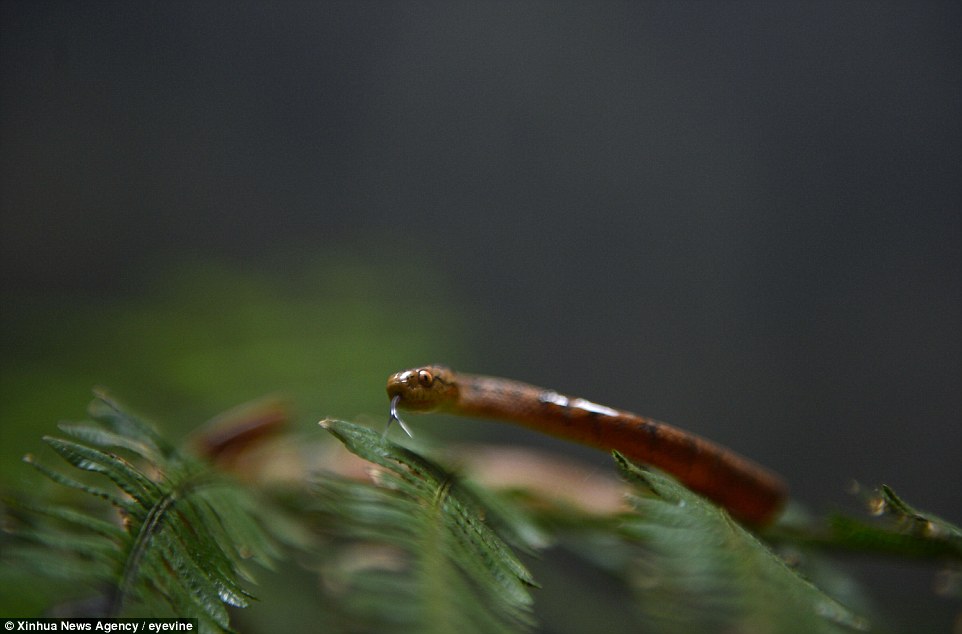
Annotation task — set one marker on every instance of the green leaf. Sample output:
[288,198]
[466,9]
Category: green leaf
[185,534]
[700,571]
[72,518]
[67,481]
[920,524]
[105,438]
[899,530]
[462,576]
[107,411]
[124,475]
[857,535]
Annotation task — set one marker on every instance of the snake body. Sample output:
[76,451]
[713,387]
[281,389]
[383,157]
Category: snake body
[751,493]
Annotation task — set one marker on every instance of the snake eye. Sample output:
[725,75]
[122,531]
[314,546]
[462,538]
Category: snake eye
[425,378]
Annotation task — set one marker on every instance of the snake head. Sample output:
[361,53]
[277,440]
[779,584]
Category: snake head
[423,389]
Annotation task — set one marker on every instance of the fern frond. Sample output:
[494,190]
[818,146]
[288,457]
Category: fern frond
[67,481]
[701,571]
[73,518]
[127,478]
[926,526]
[185,534]
[427,529]
[109,413]
[101,437]
[898,530]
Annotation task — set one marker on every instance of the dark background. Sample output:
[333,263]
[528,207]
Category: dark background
[743,218]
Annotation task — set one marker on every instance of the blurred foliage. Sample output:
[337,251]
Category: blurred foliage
[418,545]
[398,541]
[425,558]
[184,535]
[319,331]
[702,572]
[322,332]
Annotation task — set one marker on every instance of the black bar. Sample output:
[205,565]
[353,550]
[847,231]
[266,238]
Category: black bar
[97,626]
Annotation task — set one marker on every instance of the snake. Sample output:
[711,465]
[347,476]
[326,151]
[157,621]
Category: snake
[751,493]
